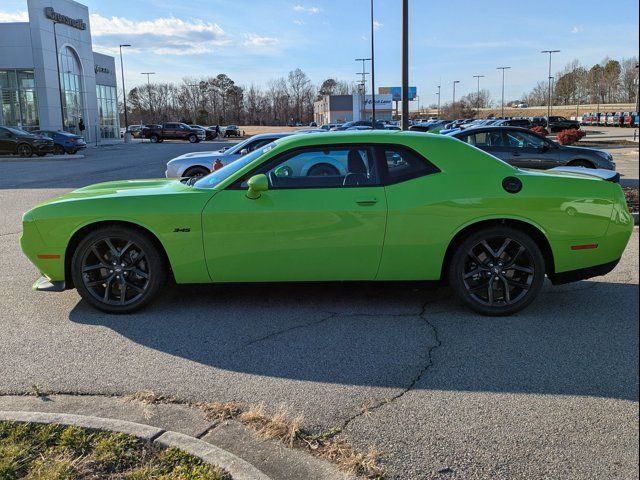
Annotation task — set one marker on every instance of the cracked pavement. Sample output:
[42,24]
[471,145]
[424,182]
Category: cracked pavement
[401,367]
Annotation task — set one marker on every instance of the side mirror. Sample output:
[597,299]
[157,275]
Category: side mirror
[257,184]
[244,151]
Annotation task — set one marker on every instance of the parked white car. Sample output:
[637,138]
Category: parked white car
[198,164]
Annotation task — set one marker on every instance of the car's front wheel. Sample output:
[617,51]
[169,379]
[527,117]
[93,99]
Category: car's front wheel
[497,270]
[154,138]
[24,150]
[118,269]
[192,139]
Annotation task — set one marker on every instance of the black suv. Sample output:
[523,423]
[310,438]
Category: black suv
[25,144]
[557,124]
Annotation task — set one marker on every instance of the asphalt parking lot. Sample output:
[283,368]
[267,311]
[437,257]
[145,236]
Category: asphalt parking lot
[549,393]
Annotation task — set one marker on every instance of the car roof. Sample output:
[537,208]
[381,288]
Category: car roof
[490,128]
[270,135]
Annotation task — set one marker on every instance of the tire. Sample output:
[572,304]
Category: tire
[323,170]
[24,150]
[41,154]
[581,163]
[196,172]
[481,278]
[58,149]
[114,257]
[192,139]
[154,138]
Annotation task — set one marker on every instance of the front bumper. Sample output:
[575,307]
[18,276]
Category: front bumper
[44,284]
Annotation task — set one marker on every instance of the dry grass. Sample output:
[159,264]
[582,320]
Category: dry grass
[285,428]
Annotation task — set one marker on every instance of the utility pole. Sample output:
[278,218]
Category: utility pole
[124,90]
[405,64]
[503,69]
[550,52]
[373,75]
[438,93]
[149,90]
[478,77]
[362,90]
[453,105]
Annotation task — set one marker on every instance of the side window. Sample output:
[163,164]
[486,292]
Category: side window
[257,144]
[488,139]
[470,139]
[524,140]
[404,164]
[324,167]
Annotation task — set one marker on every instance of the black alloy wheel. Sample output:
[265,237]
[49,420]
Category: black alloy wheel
[25,150]
[118,270]
[497,271]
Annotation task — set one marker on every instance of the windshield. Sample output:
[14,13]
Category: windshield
[215,178]
[17,131]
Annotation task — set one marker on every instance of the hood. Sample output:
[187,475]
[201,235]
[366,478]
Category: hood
[583,149]
[122,188]
[199,155]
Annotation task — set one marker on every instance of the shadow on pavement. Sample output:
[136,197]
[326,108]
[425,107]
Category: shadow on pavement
[580,339]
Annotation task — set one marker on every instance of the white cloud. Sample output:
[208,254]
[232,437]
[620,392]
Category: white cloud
[253,40]
[17,16]
[298,22]
[376,25]
[575,29]
[309,10]
[163,36]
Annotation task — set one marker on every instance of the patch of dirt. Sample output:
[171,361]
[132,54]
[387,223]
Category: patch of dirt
[631,194]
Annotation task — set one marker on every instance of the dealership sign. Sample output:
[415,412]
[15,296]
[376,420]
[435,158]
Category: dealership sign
[99,69]
[383,102]
[396,92]
[51,14]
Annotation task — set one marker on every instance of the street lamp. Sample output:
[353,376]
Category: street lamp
[478,77]
[438,93]
[453,105]
[637,90]
[503,69]
[373,75]
[363,82]
[149,90]
[405,64]
[124,90]
[550,52]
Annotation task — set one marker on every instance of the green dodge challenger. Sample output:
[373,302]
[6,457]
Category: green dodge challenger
[405,206]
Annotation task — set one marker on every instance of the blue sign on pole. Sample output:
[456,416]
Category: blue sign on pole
[396,93]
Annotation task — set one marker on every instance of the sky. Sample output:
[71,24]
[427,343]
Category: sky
[254,41]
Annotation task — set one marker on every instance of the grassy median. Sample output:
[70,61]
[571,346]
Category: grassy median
[57,452]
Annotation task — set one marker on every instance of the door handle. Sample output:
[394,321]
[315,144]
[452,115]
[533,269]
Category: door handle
[365,202]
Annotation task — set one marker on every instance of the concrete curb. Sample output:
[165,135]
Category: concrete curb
[238,468]
[34,158]
[635,218]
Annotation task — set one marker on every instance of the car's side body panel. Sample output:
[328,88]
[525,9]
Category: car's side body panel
[325,234]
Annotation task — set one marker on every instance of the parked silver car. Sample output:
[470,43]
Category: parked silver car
[198,164]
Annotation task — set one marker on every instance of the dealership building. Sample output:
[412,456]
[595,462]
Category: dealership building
[50,77]
[345,108]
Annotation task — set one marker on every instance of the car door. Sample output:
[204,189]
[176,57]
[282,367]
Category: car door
[7,142]
[526,149]
[303,228]
[491,141]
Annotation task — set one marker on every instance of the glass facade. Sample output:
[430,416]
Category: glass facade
[72,97]
[19,100]
[107,111]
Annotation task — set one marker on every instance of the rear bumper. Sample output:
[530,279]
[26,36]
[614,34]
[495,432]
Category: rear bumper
[583,273]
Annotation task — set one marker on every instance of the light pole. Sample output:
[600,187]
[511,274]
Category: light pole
[149,90]
[550,52]
[551,81]
[453,105]
[124,90]
[438,93]
[405,64]
[502,103]
[363,82]
[637,89]
[373,75]
[478,77]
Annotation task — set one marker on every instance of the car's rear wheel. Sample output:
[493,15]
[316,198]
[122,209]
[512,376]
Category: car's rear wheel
[154,138]
[197,172]
[497,270]
[582,163]
[24,150]
[58,149]
[118,269]
[192,139]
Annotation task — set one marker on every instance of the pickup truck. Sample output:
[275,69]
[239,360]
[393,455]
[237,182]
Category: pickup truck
[172,131]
